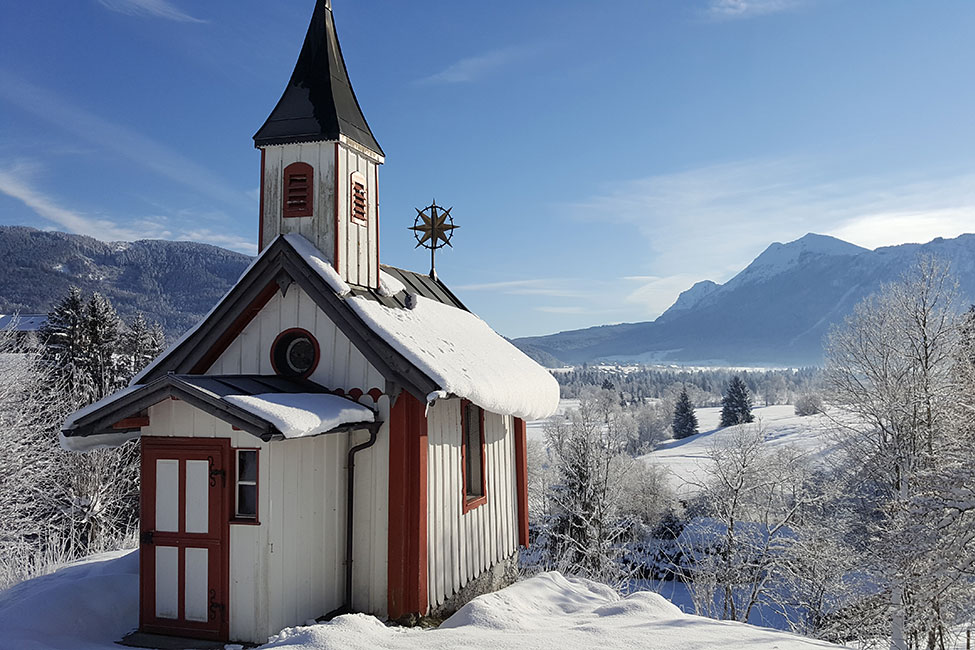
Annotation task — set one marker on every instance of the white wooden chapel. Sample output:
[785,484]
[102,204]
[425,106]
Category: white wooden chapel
[336,435]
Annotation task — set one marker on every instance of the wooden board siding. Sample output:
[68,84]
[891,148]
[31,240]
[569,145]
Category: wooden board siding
[318,228]
[291,567]
[331,229]
[341,364]
[461,546]
[358,243]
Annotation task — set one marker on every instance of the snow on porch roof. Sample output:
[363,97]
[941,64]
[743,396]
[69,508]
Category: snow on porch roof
[269,407]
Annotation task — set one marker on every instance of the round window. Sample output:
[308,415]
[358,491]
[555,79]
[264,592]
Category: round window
[295,353]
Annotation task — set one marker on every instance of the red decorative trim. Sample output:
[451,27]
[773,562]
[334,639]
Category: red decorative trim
[299,190]
[469,502]
[260,221]
[335,194]
[355,394]
[407,565]
[521,479]
[256,521]
[375,394]
[235,329]
[375,192]
[304,332]
[132,423]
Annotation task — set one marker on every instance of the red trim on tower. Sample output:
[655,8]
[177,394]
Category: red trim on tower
[375,193]
[260,221]
[521,479]
[407,566]
[338,185]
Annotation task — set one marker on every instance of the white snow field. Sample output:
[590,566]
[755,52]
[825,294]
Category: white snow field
[90,605]
[685,461]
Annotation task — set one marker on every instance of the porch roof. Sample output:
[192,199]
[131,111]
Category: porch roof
[269,407]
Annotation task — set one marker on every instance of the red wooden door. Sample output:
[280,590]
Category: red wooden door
[185,537]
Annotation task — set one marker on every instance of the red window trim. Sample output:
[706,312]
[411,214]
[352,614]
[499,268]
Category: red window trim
[307,210]
[469,502]
[234,519]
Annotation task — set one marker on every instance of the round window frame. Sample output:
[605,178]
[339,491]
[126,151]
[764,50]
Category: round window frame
[283,339]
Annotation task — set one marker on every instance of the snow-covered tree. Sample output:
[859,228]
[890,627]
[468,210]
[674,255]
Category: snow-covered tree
[736,405]
[142,343]
[893,366]
[685,421]
[808,404]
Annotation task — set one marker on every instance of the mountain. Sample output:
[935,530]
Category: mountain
[174,283]
[774,312]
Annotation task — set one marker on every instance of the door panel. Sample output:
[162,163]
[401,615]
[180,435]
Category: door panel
[185,537]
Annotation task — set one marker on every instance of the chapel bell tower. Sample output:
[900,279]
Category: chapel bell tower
[320,161]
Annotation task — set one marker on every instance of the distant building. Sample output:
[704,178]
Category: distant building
[23,324]
[336,435]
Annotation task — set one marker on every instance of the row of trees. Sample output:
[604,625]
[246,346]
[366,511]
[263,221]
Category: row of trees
[55,505]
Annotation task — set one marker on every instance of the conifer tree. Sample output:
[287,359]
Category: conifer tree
[103,327]
[65,343]
[736,405]
[685,421]
[141,344]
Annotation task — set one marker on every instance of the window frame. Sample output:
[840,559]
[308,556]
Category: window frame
[236,517]
[295,332]
[297,168]
[358,178]
[471,501]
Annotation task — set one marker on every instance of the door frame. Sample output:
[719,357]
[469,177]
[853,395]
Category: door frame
[147,501]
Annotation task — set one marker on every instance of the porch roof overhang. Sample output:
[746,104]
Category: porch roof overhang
[246,402]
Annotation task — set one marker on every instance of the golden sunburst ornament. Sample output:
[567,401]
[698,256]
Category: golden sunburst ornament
[433,228]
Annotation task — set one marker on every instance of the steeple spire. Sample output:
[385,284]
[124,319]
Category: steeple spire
[319,103]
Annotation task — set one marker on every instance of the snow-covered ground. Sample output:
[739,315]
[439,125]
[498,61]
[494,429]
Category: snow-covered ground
[685,460]
[91,605]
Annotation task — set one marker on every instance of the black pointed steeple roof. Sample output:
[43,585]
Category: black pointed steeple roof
[319,103]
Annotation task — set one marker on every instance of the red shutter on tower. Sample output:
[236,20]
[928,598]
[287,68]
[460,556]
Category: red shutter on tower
[298,190]
[359,199]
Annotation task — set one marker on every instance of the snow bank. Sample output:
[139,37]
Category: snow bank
[549,612]
[464,356]
[388,285]
[298,415]
[86,606]
[91,605]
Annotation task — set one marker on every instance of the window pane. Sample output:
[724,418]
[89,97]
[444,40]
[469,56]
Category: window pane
[247,501]
[247,466]
[472,440]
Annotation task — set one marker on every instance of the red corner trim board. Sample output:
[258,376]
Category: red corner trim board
[521,469]
[407,570]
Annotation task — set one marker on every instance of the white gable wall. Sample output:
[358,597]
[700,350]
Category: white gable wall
[461,546]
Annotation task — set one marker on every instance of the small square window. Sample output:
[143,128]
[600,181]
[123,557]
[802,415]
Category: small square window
[246,501]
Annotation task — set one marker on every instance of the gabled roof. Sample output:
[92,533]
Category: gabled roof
[319,103]
[248,402]
[289,259]
[413,330]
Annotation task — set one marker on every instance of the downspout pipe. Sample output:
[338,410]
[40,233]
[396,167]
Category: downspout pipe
[346,607]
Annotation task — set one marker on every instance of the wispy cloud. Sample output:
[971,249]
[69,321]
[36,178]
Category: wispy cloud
[154,8]
[748,8]
[709,223]
[118,139]
[552,287]
[475,67]
[16,183]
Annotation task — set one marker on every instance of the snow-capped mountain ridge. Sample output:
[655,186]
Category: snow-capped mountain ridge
[774,312]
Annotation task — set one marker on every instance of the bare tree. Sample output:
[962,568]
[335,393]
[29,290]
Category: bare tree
[892,366]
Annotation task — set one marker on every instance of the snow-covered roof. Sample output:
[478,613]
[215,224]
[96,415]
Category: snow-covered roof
[270,407]
[464,356]
[412,329]
[299,415]
[23,322]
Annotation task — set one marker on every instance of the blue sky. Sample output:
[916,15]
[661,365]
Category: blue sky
[600,157]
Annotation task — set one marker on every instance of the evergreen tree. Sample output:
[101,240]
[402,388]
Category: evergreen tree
[66,343]
[736,405]
[103,327]
[141,344]
[685,422]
